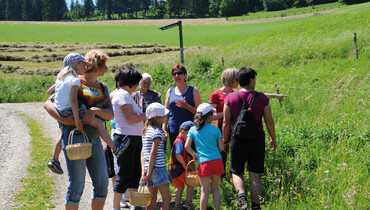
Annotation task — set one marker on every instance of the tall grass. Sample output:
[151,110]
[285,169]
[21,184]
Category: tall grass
[322,127]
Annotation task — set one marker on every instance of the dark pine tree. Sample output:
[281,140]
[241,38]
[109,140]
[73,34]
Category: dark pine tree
[26,10]
[2,9]
[37,8]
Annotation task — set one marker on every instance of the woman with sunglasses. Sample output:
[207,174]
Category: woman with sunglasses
[182,101]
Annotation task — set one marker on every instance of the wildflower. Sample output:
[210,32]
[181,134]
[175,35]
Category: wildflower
[282,188]
[290,188]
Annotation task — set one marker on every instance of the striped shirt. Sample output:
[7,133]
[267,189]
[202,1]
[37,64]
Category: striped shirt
[151,134]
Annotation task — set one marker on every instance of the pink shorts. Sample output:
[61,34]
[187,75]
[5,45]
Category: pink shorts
[212,167]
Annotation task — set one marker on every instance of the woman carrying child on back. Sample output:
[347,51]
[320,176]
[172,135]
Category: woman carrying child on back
[152,155]
[208,142]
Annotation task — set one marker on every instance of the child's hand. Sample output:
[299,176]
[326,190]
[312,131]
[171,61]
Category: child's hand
[195,157]
[227,147]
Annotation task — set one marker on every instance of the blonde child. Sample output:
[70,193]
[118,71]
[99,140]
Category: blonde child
[178,161]
[152,155]
[208,142]
[66,90]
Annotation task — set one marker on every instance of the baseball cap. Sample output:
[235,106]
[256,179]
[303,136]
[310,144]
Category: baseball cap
[204,108]
[186,125]
[73,58]
[156,109]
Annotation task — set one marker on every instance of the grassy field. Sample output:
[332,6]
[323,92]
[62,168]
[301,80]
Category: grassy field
[287,12]
[205,35]
[322,128]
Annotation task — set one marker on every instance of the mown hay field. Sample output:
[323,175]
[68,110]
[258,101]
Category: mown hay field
[322,128]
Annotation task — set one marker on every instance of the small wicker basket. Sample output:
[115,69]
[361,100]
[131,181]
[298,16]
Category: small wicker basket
[192,178]
[140,198]
[78,151]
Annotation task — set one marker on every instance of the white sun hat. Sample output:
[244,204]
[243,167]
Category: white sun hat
[204,108]
[156,109]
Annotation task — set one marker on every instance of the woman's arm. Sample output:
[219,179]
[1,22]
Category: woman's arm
[74,104]
[189,149]
[226,127]
[278,96]
[152,158]
[269,121]
[165,124]
[53,112]
[216,115]
[130,115]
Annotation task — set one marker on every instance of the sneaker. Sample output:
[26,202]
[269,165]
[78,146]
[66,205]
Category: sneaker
[189,205]
[178,207]
[123,204]
[55,166]
[243,203]
[121,147]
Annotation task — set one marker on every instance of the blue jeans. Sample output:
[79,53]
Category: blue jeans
[96,165]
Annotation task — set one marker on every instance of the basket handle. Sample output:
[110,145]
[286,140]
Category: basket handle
[70,137]
[186,170]
[141,187]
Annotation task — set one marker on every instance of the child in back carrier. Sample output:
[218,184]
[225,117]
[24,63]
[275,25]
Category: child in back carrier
[208,142]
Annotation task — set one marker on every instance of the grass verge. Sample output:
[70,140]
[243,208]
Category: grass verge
[38,185]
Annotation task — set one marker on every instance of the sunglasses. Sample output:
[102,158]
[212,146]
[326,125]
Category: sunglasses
[177,73]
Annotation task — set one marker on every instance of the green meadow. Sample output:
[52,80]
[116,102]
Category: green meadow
[206,35]
[322,159]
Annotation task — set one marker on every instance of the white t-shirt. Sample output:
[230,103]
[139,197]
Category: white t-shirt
[123,127]
[63,88]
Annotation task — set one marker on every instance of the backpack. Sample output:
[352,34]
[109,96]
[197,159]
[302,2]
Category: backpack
[244,127]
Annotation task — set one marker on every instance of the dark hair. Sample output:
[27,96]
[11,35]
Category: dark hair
[128,77]
[245,74]
[200,120]
[116,77]
[178,67]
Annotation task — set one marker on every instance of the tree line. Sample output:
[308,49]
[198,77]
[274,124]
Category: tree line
[56,10]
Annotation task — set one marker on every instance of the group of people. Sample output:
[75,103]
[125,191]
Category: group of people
[143,125]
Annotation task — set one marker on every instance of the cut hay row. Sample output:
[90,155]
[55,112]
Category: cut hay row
[60,57]
[52,45]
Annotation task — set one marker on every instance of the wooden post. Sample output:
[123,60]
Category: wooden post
[355,39]
[181,43]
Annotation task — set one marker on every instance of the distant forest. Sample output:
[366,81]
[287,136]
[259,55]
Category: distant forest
[57,10]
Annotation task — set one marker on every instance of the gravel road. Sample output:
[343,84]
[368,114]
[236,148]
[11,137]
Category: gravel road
[15,153]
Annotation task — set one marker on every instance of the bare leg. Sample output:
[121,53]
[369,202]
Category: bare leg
[205,184]
[256,186]
[189,193]
[97,205]
[153,191]
[58,147]
[239,183]
[97,123]
[178,195]
[215,181]
[166,196]
[116,199]
[69,207]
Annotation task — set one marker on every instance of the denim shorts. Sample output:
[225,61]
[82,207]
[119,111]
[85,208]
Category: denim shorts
[68,112]
[159,177]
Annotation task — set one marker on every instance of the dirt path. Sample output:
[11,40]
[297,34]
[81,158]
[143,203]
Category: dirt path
[15,151]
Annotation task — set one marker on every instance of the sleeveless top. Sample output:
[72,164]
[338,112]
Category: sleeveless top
[179,115]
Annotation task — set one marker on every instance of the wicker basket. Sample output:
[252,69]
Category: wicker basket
[192,178]
[78,151]
[140,198]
